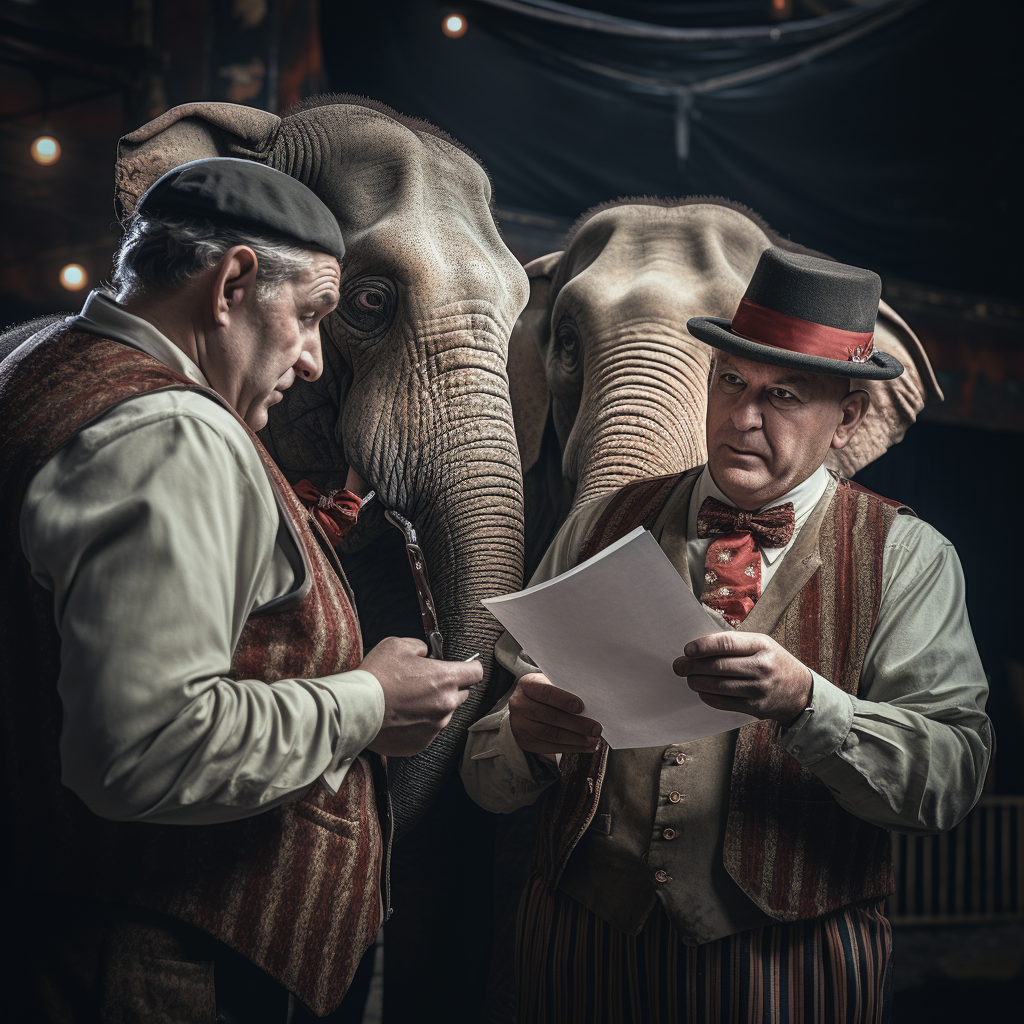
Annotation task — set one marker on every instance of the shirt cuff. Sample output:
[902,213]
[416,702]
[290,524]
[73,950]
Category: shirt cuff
[819,732]
[521,764]
[361,711]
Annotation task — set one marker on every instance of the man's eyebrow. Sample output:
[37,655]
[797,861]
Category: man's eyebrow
[793,378]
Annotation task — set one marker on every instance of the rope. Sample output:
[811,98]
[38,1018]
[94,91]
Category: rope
[610,24]
[667,87]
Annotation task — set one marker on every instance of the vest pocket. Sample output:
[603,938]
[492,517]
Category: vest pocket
[343,827]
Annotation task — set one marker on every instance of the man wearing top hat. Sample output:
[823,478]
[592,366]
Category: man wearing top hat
[198,820]
[742,877]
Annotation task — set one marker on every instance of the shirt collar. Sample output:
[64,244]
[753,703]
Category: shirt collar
[103,315]
[804,497]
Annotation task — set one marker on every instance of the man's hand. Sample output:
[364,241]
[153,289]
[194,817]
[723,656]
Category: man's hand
[546,720]
[420,695]
[747,672]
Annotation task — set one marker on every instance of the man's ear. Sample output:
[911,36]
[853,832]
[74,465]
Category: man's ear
[855,406]
[896,403]
[233,285]
[527,381]
[185,133]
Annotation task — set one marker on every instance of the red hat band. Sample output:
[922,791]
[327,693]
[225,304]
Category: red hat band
[769,327]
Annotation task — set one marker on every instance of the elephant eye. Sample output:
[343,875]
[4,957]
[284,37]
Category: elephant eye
[368,305]
[567,344]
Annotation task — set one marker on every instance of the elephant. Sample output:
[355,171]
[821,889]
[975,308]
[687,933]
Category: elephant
[607,384]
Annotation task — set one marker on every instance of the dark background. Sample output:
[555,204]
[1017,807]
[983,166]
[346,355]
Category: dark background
[890,137]
[893,152]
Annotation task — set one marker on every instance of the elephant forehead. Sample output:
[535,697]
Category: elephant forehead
[368,167]
[409,203]
[697,243]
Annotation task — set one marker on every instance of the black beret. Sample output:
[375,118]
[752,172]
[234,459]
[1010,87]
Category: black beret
[248,195]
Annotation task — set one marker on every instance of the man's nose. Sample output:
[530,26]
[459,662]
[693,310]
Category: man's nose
[310,363]
[746,414]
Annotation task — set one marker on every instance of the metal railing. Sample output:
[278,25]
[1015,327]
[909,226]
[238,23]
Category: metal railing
[973,874]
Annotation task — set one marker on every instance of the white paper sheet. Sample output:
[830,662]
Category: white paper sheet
[608,631]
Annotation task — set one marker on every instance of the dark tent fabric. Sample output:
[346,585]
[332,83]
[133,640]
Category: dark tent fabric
[885,134]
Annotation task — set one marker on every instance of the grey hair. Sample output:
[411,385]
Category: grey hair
[161,253]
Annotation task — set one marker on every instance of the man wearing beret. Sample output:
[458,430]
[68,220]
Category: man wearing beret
[742,877]
[194,741]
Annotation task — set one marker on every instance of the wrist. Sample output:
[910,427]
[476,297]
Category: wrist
[802,704]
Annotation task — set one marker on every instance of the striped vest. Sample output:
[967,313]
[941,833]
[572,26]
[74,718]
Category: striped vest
[789,845]
[295,889]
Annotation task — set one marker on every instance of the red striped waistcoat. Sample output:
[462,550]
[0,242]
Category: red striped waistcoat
[789,845]
[295,889]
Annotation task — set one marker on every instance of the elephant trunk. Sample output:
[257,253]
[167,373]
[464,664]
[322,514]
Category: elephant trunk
[641,415]
[470,528]
[475,551]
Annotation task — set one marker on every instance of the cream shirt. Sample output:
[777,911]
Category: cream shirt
[910,755]
[157,531]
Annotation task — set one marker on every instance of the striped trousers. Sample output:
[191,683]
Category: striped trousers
[573,968]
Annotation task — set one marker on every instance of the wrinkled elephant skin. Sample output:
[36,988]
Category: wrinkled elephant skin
[608,385]
[414,394]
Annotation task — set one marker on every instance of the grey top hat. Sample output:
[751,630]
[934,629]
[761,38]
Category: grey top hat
[247,195]
[805,313]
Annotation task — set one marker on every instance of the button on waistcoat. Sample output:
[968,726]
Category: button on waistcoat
[295,889]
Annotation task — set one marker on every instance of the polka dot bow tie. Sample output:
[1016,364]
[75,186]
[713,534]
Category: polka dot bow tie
[732,567]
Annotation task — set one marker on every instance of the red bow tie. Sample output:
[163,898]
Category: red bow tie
[336,511]
[772,528]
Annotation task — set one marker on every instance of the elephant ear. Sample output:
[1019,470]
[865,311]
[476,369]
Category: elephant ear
[527,382]
[894,403]
[188,132]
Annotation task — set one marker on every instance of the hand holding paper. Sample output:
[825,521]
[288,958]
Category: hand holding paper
[747,672]
[608,632]
[548,720]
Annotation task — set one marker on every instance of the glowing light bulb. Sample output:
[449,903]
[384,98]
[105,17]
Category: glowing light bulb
[73,277]
[454,26]
[46,150]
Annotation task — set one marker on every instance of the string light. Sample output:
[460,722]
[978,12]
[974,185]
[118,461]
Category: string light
[454,26]
[73,277]
[46,150]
